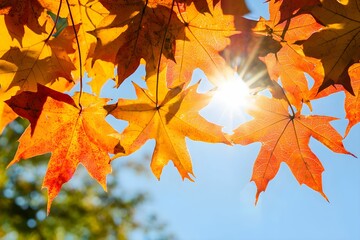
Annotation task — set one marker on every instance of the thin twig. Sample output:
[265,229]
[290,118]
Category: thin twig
[288,102]
[161,51]
[78,46]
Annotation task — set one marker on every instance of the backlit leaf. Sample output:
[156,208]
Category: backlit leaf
[72,134]
[285,138]
[169,118]
[337,45]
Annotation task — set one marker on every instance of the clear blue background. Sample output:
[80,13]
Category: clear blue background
[220,203]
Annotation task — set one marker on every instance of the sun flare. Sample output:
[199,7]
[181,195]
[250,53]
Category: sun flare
[229,101]
[232,94]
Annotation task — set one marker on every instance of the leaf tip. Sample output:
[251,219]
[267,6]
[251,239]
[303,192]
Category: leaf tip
[257,197]
[189,177]
[48,208]
[15,160]
[324,196]
[110,107]
[49,202]
[102,181]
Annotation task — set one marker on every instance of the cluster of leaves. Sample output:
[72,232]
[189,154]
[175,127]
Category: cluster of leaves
[48,45]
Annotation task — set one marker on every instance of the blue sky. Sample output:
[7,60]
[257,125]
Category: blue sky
[220,203]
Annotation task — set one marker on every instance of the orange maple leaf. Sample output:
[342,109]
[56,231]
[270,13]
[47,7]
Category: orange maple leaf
[285,138]
[135,31]
[338,44]
[74,135]
[199,43]
[289,63]
[168,116]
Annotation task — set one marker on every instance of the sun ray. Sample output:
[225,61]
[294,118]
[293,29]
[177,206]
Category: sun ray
[230,99]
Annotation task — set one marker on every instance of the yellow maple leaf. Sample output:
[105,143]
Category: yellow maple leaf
[42,59]
[168,116]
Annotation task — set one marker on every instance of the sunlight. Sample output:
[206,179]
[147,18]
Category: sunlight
[232,95]
[229,102]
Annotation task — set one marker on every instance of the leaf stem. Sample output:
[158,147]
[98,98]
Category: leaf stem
[79,51]
[287,100]
[161,50]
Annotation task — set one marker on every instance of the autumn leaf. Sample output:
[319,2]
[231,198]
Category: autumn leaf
[352,102]
[288,63]
[168,116]
[338,44]
[199,45]
[43,61]
[285,138]
[135,31]
[74,135]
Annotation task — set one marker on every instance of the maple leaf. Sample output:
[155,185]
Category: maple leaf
[74,135]
[289,63]
[285,138]
[42,61]
[135,31]
[168,116]
[352,102]
[341,35]
[199,45]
